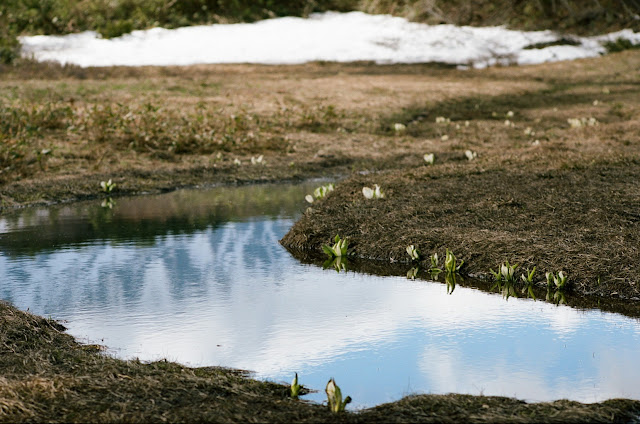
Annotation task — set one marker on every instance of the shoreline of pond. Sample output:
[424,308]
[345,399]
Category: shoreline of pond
[50,376]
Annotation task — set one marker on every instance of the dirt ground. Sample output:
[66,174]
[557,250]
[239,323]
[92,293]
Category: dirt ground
[552,183]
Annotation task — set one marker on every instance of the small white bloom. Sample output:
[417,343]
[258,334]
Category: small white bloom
[413,252]
[535,143]
[256,161]
[466,123]
[398,127]
[574,122]
[377,192]
[510,114]
[442,120]
[236,161]
[373,193]
[444,137]
[308,198]
[470,155]
[504,270]
[429,158]
[595,103]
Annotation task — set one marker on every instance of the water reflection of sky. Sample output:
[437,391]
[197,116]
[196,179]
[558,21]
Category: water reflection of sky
[228,294]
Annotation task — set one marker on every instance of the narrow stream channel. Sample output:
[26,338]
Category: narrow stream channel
[198,277]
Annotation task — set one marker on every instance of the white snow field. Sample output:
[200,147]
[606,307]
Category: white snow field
[330,36]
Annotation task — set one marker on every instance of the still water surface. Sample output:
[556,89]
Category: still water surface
[199,277]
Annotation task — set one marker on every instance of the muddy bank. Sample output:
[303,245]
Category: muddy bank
[582,220]
[48,376]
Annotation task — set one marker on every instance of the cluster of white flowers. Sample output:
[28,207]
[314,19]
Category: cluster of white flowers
[582,122]
[470,154]
[398,127]
[257,161]
[442,120]
[373,193]
[319,193]
[430,158]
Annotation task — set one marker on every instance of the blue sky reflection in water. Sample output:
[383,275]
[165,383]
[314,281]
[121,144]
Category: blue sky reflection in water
[199,278]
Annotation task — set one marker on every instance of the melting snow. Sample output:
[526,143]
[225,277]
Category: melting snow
[341,37]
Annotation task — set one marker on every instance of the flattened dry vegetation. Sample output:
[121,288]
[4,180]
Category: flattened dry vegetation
[583,220]
[553,185]
[47,376]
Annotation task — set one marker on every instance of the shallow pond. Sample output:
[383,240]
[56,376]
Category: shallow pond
[199,277]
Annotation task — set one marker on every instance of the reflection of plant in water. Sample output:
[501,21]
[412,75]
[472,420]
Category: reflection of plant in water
[434,270]
[339,263]
[558,284]
[505,280]
[334,397]
[338,249]
[528,283]
[451,280]
[108,203]
[451,268]
[413,273]
[295,387]
[557,297]
[508,290]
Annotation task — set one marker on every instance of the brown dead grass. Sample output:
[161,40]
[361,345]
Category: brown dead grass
[310,120]
[560,199]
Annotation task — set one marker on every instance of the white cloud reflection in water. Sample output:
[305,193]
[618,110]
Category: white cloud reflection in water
[228,294]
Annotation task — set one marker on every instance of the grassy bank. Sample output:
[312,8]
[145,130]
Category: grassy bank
[47,376]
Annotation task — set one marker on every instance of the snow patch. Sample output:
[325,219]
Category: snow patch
[330,36]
